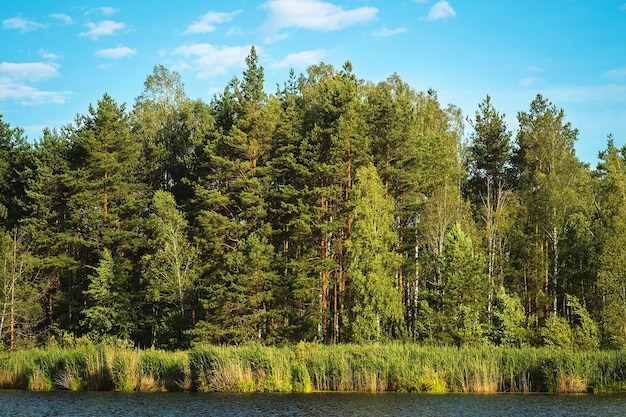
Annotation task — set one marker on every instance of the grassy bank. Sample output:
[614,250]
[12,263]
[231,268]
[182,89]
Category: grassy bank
[308,367]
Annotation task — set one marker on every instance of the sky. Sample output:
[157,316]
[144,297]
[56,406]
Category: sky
[58,57]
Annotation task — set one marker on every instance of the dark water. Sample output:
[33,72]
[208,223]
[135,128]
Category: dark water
[22,403]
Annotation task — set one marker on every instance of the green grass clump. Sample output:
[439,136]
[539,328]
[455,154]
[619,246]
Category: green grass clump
[250,368]
[164,371]
[125,370]
[310,367]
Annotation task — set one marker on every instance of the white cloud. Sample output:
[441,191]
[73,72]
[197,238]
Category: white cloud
[103,28]
[315,15]
[24,25]
[617,73]
[529,81]
[108,11]
[31,71]
[210,61]
[382,32]
[301,59]
[105,11]
[441,11]
[16,77]
[276,37]
[206,23]
[534,68]
[47,55]
[63,18]
[116,53]
[622,7]
[28,95]
[234,31]
[420,1]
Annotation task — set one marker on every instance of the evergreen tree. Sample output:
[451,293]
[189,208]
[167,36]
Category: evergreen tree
[335,210]
[15,165]
[107,315]
[292,213]
[464,288]
[490,154]
[230,199]
[51,236]
[334,146]
[107,202]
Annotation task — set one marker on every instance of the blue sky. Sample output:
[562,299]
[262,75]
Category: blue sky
[57,57]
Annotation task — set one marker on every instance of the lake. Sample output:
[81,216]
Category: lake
[101,404]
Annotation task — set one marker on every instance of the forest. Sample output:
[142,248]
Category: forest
[335,210]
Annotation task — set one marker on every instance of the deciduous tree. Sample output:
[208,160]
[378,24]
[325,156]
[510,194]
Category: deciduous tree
[373,265]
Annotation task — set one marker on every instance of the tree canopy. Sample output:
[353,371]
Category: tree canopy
[335,209]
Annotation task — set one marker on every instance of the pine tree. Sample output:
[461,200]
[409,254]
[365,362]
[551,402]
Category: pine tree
[107,203]
[107,315]
[292,214]
[464,287]
[52,238]
[490,154]
[230,200]
[15,165]
[334,146]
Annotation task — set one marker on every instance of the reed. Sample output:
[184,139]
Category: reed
[125,375]
[164,371]
[98,368]
[309,367]
[250,368]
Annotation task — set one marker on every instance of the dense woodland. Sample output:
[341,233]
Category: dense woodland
[333,210]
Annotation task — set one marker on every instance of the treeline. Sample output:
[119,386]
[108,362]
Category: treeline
[334,210]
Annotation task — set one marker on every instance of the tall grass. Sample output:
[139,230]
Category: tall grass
[95,368]
[251,368]
[308,367]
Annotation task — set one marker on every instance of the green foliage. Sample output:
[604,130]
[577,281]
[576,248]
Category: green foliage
[19,291]
[509,320]
[239,301]
[554,188]
[612,259]
[556,333]
[171,270]
[468,328]
[310,367]
[464,287]
[372,267]
[169,126]
[584,329]
[104,317]
[334,210]
[489,187]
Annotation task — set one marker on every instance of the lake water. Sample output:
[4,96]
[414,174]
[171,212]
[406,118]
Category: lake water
[101,404]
